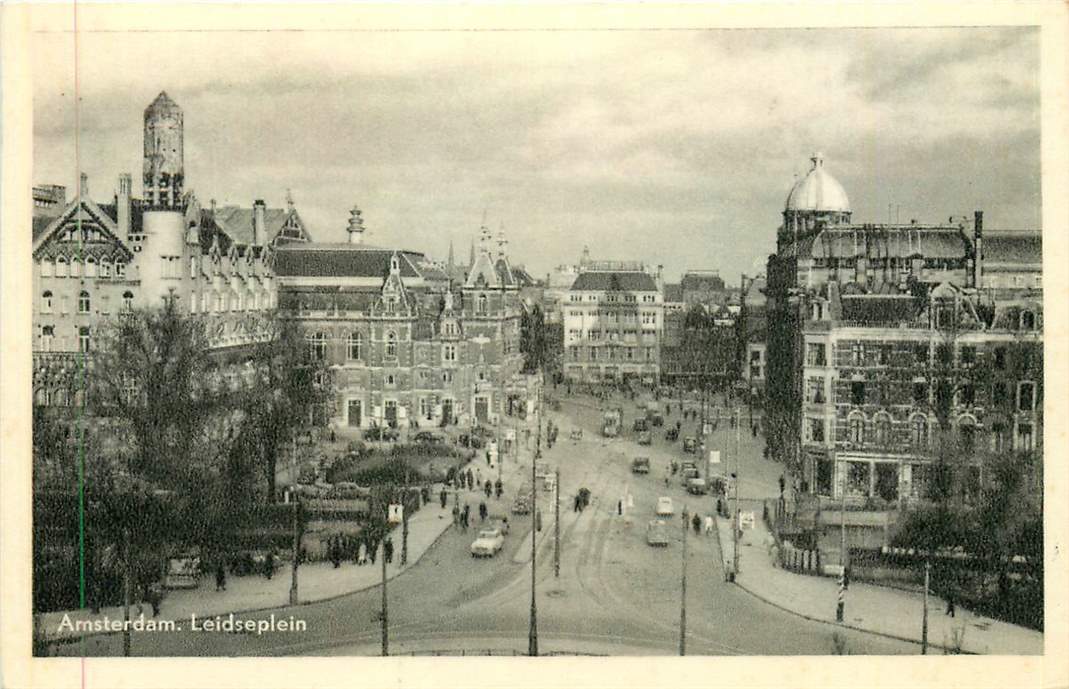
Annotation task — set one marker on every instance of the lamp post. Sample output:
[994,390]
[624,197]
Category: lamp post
[683,592]
[735,525]
[296,546]
[556,524]
[532,634]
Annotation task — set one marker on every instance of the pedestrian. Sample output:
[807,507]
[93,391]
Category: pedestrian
[708,524]
[456,514]
[754,431]
[387,550]
[373,550]
[361,553]
[333,437]
[666,480]
[471,479]
[619,508]
[269,564]
[443,498]
[154,596]
[488,488]
[679,426]
[482,511]
[575,506]
[696,522]
[782,484]
[950,604]
[220,577]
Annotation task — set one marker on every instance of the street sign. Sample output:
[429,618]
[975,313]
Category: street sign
[396,514]
[746,520]
[714,456]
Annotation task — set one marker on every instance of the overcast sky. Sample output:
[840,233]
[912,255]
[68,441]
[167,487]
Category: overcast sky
[673,147]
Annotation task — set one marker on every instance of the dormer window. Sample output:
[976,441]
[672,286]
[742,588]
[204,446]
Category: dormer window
[391,345]
[483,307]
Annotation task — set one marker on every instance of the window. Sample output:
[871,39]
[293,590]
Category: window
[64,304]
[815,390]
[391,345]
[944,355]
[857,393]
[46,302]
[447,376]
[1028,320]
[1000,358]
[1026,393]
[105,267]
[998,394]
[47,333]
[967,436]
[120,269]
[317,346]
[47,268]
[449,352]
[391,380]
[815,354]
[920,353]
[967,395]
[83,339]
[856,430]
[920,394]
[755,356]
[649,353]
[574,352]
[968,355]
[593,353]
[127,300]
[76,268]
[482,304]
[83,302]
[816,430]
[104,304]
[61,267]
[919,431]
[192,266]
[883,430]
[630,352]
[90,267]
[355,342]
[998,437]
[1025,440]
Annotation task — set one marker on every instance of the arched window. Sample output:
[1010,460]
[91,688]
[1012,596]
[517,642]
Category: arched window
[967,436]
[220,304]
[47,333]
[1028,320]
[76,268]
[47,268]
[83,339]
[61,267]
[919,431]
[317,346]
[192,266]
[105,267]
[856,426]
[355,342]
[127,300]
[120,269]
[46,302]
[90,267]
[482,303]
[883,430]
[83,302]
[391,344]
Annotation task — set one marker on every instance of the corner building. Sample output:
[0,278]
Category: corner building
[886,341]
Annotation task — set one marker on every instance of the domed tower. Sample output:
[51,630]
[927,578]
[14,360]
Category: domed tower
[817,198]
[163,167]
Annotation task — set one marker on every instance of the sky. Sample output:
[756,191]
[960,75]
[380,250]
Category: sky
[677,148]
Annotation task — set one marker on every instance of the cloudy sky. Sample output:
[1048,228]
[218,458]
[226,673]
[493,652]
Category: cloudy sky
[674,147]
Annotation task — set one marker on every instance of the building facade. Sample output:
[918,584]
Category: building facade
[93,261]
[408,348]
[891,348]
[613,320]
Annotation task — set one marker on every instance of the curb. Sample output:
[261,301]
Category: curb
[87,635]
[844,625]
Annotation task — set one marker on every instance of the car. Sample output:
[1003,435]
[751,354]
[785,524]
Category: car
[656,418]
[640,465]
[696,486]
[427,437]
[489,542]
[640,425]
[671,435]
[690,445]
[645,438]
[657,533]
[665,507]
[687,473]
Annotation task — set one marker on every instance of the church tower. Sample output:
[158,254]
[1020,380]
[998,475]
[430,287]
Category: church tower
[164,169]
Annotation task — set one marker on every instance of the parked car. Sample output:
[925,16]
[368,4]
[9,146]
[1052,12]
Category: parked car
[640,425]
[645,438]
[690,445]
[640,465]
[489,542]
[427,437]
[665,507]
[696,486]
[522,502]
[656,418]
[657,533]
[688,473]
[671,435]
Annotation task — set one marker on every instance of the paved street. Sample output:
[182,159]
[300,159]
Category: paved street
[615,594]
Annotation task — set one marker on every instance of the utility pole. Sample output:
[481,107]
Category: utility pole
[735,524]
[404,523]
[842,554]
[924,619]
[296,547]
[385,623]
[532,634]
[683,594]
[556,526]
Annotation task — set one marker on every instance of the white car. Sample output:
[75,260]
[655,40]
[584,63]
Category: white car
[488,543]
[665,508]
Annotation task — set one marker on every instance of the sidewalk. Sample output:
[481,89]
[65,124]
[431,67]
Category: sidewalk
[317,581]
[876,609]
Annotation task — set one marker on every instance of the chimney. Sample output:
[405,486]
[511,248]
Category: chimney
[83,189]
[259,229]
[356,226]
[122,205]
[213,207]
[978,249]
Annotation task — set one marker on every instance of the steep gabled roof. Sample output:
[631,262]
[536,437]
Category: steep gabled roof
[673,293]
[1013,247]
[43,233]
[340,260]
[237,222]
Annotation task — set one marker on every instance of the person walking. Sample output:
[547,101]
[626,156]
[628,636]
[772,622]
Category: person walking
[951,610]
[373,550]
[482,511]
[220,577]
[443,498]
[361,553]
[387,550]
[488,488]
[708,524]
[499,488]
[471,479]
[696,522]
[782,484]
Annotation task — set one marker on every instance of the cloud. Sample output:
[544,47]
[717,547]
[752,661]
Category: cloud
[677,147]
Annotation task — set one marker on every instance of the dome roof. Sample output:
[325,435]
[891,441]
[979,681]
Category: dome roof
[818,191]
